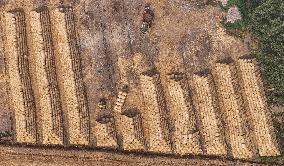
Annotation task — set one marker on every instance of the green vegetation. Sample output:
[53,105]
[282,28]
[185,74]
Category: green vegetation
[267,25]
[274,158]
[4,134]
[265,20]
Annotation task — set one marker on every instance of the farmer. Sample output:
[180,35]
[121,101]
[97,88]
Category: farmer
[148,16]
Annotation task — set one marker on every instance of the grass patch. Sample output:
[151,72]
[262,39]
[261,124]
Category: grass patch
[273,158]
[236,29]
[236,25]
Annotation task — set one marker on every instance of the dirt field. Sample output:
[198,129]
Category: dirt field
[18,156]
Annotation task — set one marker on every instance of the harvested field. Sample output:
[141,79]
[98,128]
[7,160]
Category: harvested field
[81,73]
[231,105]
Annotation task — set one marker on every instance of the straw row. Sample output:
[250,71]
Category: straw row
[132,131]
[21,92]
[69,73]
[257,107]
[207,111]
[231,106]
[157,127]
[105,132]
[186,134]
[46,79]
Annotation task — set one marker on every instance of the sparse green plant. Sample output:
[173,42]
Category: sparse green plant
[4,134]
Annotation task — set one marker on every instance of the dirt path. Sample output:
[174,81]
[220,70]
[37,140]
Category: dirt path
[52,157]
